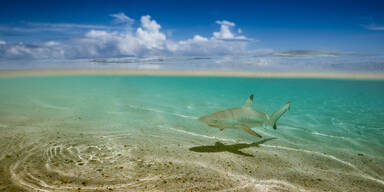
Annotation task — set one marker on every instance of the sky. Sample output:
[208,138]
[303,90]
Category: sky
[106,29]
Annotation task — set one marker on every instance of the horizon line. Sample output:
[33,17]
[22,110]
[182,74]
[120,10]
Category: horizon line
[196,73]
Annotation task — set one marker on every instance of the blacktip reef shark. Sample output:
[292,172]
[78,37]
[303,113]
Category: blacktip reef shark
[243,118]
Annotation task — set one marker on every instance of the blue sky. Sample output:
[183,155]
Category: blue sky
[69,28]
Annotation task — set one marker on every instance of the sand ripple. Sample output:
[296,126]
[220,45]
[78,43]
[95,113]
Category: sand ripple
[60,166]
[105,163]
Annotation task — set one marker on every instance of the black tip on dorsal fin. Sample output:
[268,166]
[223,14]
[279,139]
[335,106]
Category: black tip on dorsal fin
[249,101]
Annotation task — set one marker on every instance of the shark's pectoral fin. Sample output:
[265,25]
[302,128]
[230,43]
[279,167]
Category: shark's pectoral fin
[248,130]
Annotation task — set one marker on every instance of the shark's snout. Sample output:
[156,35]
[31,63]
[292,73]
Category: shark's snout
[200,119]
[204,119]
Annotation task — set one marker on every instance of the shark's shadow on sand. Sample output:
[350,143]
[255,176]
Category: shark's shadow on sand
[235,148]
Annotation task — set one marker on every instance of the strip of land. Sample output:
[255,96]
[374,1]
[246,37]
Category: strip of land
[214,73]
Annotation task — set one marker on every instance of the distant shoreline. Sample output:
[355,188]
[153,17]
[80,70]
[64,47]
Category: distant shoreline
[206,73]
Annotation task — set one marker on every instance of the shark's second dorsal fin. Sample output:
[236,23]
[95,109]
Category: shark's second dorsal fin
[249,101]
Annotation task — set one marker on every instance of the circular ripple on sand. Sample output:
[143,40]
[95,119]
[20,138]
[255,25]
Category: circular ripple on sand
[68,166]
[105,163]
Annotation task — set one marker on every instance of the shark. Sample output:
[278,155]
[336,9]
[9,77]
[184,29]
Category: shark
[244,118]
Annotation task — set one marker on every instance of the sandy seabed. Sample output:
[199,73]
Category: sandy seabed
[39,153]
[68,156]
[127,161]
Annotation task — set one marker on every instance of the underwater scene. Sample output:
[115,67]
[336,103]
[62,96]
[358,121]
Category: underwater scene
[191,96]
[145,133]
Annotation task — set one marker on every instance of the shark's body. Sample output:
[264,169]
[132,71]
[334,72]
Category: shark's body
[243,117]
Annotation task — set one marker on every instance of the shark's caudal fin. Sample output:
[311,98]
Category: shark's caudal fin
[277,114]
[248,102]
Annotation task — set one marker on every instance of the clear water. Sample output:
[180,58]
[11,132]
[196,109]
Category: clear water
[140,133]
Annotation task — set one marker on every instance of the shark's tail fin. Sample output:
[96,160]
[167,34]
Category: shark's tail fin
[277,114]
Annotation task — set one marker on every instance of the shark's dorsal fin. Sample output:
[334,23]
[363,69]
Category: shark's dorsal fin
[249,101]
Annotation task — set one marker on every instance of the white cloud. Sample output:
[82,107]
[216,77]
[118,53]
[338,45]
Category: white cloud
[261,51]
[227,23]
[51,43]
[375,28]
[21,50]
[121,18]
[199,38]
[51,26]
[96,34]
[146,40]
[98,43]
[25,28]
[2,42]
[149,34]
[225,32]
[148,24]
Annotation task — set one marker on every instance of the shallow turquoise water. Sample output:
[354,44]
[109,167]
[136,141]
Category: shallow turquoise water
[334,129]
